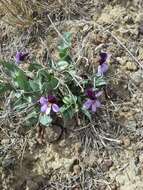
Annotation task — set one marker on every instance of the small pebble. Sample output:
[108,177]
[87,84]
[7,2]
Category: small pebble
[130,66]
[140,29]
[107,164]
[126,141]
[76,169]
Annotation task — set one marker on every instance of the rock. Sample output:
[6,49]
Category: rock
[77,149]
[85,28]
[62,143]
[102,187]
[138,171]
[68,164]
[141,158]
[76,169]
[78,187]
[140,147]
[140,52]
[107,164]
[110,14]
[129,19]
[130,124]
[137,77]
[5,141]
[8,163]
[114,186]
[130,66]
[140,29]
[141,86]
[126,141]
[136,160]
[91,159]
[122,60]
[125,109]
[31,185]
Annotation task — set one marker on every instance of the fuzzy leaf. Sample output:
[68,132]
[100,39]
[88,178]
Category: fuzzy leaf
[86,113]
[34,85]
[34,67]
[45,120]
[64,45]
[62,65]
[5,87]
[11,67]
[67,112]
[21,81]
[31,115]
[99,81]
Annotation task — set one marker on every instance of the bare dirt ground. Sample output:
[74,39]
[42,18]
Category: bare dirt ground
[83,159]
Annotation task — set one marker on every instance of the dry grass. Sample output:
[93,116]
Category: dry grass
[23,13]
[17,13]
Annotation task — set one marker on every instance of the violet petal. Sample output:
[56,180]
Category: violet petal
[99,72]
[99,93]
[104,67]
[44,108]
[17,57]
[48,109]
[98,104]
[88,104]
[55,108]
[94,107]
[43,100]
[20,56]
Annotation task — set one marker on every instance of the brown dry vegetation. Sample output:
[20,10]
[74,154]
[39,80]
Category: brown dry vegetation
[107,157]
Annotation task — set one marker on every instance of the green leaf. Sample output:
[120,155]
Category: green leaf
[34,67]
[64,45]
[63,53]
[87,113]
[70,106]
[31,119]
[19,107]
[53,82]
[11,67]
[70,100]
[62,65]
[43,75]
[31,115]
[66,42]
[66,100]
[67,112]
[99,81]
[45,120]
[49,84]
[34,85]
[18,75]
[21,81]
[5,87]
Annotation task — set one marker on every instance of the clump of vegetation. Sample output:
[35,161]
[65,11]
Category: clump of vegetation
[41,94]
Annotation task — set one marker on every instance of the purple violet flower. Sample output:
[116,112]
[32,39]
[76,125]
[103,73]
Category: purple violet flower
[103,63]
[102,69]
[20,57]
[48,104]
[92,103]
[103,57]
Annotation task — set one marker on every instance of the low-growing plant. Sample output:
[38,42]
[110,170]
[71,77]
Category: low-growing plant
[42,93]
